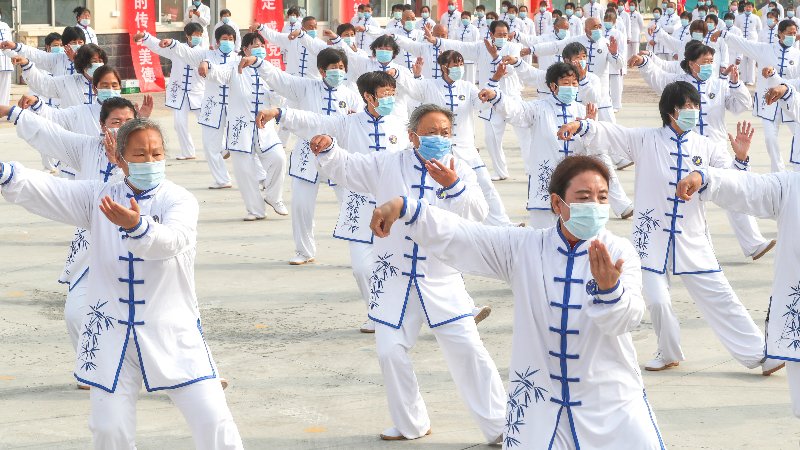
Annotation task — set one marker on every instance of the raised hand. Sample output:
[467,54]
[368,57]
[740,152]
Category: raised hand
[202,70]
[69,52]
[440,173]
[715,36]
[500,72]
[319,143]
[247,61]
[110,144]
[768,71]
[19,61]
[265,115]
[7,45]
[429,34]
[254,27]
[487,95]
[689,185]
[744,137]
[511,60]
[417,68]
[329,34]
[147,106]
[384,216]
[568,130]
[613,45]
[733,73]
[605,272]
[525,52]
[635,61]
[120,215]
[490,48]
[293,35]
[591,111]
[774,94]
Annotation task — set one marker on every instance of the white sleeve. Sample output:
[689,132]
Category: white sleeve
[355,171]
[286,85]
[174,234]
[738,98]
[654,75]
[41,82]
[606,137]
[469,50]
[760,195]
[193,56]
[308,124]
[517,112]
[220,74]
[49,138]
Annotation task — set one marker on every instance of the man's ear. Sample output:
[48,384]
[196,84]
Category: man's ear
[555,204]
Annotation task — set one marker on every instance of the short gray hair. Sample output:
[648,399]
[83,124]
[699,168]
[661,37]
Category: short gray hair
[131,127]
[424,110]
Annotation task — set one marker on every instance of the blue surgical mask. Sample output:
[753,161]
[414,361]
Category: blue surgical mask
[145,176]
[705,72]
[197,40]
[481,14]
[656,16]
[728,23]
[312,33]
[684,22]
[687,119]
[523,15]
[226,20]
[367,15]
[790,14]
[697,36]
[397,15]
[425,15]
[747,13]
[385,106]
[226,46]
[196,3]
[670,11]
[408,26]
[334,77]
[499,42]
[360,15]
[586,220]
[567,94]
[607,25]
[105,94]
[434,147]
[384,56]
[465,22]
[456,72]
[504,9]
[75,47]
[583,64]
[596,35]
[56,49]
[788,40]
[451,8]
[579,13]
[293,19]
[259,52]
[85,22]
[348,40]
[90,70]
[512,16]
[711,26]
[569,12]
[702,15]
[562,34]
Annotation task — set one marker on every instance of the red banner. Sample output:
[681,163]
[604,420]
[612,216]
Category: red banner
[141,16]
[349,9]
[270,14]
[443,8]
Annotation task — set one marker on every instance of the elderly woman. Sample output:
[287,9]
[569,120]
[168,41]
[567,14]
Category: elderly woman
[574,380]
[145,322]
[409,284]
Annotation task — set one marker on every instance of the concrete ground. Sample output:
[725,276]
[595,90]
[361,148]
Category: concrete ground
[302,376]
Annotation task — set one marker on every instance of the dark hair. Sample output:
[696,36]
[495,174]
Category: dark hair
[347,26]
[360,7]
[449,56]
[572,50]
[558,13]
[225,11]
[512,8]
[713,18]
[773,13]
[572,166]
[686,15]
[506,3]
[330,56]
[307,19]
[730,16]
[674,96]
[48,40]
[497,23]
[83,58]
[293,11]
[224,30]
[103,71]
[785,23]
[369,83]
[72,34]
[559,70]
[481,7]
[568,4]
[694,51]
[408,7]
[466,13]
[385,41]
[248,39]
[610,14]
[699,25]
[657,9]
[493,14]
[192,28]
[397,7]
[426,6]
[78,11]
[113,104]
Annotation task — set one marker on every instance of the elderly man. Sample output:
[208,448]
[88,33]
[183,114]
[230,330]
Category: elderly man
[144,323]
[410,285]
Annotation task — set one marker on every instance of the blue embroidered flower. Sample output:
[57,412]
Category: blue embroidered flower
[99,321]
[791,326]
[645,224]
[523,389]
[382,272]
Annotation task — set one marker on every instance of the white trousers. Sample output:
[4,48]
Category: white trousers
[747,70]
[181,119]
[362,260]
[617,197]
[48,163]
[633,48]
[469,72]
[793,376]
[112,419]
[470,365]
[746,230]
[771,129]
[493,137]
[615,89]
[248,178]
[304,202]
[75,310]
[213,146]
[720,307]
[5,86]
[497,211]
[541,219]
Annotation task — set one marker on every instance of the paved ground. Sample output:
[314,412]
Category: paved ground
[301,375]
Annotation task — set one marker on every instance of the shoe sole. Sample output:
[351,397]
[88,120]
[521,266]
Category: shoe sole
[367,331]
[773,370]
[483,314]
[247,219]
[224,383]
[627,216]
[296,263]
[401,437]
[220,187]
[84,387]
[659,369]
[766,250]
[276,211]
[625,166]
[186,159]
[226,155]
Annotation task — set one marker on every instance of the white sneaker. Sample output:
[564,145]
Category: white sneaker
[220,186]
[763,249]
[770,366]
[659,363]
[481,313]
[368,327]
[393,434]
[628,213]
[300,259]
[253,218]
[279,208]
[498,178]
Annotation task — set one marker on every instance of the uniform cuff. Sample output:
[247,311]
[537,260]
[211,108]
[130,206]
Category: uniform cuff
[452,191]
[608,296]
[6,173]
[13,115]
[412,209]
[138,231]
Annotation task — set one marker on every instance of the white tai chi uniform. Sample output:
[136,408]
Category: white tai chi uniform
[450,20]
[204,19]
[545,59]
[771,195]
[543,23]
[249,94]
[235,26]
[71,90]
[671,235]
[56,64]
[670,23]
[469,33]
[423,22]
[404,57]
[359,64]
[184,93]
[89,34]
[786,61]
[410,285]
[495,125]
[768,34]
[214,107]
[364,39]
[461,98]
[617,74]
[427,51]
[144,323]
[6,68]
[750,25]
[574,379]
[356,133]
[635,33]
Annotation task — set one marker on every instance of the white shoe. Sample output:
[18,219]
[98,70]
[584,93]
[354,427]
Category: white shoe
[253,218]
[498,178]
[481,313]
[659,363]
[393,434]
[368,327]
[770,366]
[300,259]
[624,164]
[279,208]
[220,186]
[497,442]
[224,383]
[628,213]
[763,249]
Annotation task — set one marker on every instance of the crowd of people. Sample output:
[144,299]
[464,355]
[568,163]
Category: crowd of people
[386,117]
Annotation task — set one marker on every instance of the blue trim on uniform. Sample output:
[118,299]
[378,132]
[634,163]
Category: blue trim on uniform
[653,420]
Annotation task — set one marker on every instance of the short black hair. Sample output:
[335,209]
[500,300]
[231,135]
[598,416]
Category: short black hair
[370,82]
[192,28]
[113,104]
[686,15]
[449,56]
[785,24]
[480,8]
[225,11]
[224,30]
[347,26]
[572,50]
[293,11]
[694,50]
[385,41]
[103,71]
[572,166]
[713,18]
[497,23]
[83,58]
[674,96]
[657,10]
[79,10]
[730,16]
[249,38]
[330,56]
[699,25]
[71,34]
[408,7]
[397,7]
[559,70]
[50,38]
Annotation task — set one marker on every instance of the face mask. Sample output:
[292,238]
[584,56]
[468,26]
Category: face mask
[367,15]
[259,52]
[385,105]
[596,35]
[144,176]
[729,23]
[523,15]
[384,56]
[499,42]
[75,47]
[567,94]
[790,14]
[586,219]
[465,22]
[481,15]
[670,11]
[334,77]
[360,15]
[542,9]
[105,94]
[711,26]
[408,26]
[562,34]
[687,119]
[701,3]
[348,40]
[607,25]
[397,15]
[702,15]
[456,72]
[292,19]
[579,13]
[85,22]
[656,16]
[434,147]
[747,13]
[312,33]
[570,12]
[226,20]
[197,40]
[226,46]
[632,8]
[705,71]
[504,9]
[583,64]
[425,15]
[56,49]
[196,4]
[788,40]
[769,8]
[90,70]
[620,9]
[697,36]
[684,23]
[512,16]
[451,8]
[771,23]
